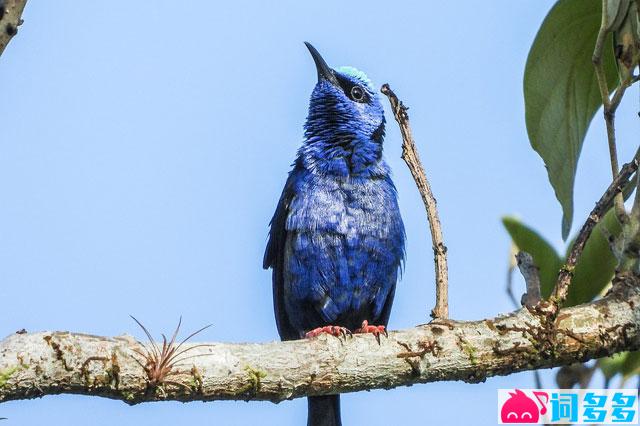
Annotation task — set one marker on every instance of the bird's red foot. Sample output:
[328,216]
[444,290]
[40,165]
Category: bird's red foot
[333,330]
[376,330]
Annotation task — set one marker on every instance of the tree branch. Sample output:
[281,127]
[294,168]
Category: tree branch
[611,24]
[33,365]
[609,109]
[411,157]
[10,20]
[602,206]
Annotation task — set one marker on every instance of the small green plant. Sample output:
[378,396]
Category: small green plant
[160,362]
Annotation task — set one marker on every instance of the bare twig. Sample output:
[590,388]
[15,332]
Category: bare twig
[610,105]
[635,210]
[411,157]
[602,206]
[531,275]
[629,250]
[10,20]
[512,266]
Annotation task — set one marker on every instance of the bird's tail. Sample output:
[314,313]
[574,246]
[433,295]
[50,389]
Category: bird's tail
[324,411]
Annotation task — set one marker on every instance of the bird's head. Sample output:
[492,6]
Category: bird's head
[344,107]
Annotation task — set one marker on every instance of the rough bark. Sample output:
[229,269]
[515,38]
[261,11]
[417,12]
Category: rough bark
[10,20]
[36,364]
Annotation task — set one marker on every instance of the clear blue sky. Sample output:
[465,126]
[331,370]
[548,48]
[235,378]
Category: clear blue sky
[144,146]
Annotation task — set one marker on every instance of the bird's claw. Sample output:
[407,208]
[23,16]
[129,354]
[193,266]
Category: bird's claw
[334,330]
[376,330]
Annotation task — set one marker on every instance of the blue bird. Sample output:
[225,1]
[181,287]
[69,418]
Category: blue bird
[336,240]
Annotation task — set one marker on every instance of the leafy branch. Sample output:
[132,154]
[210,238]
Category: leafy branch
[615,14]
[561,92]
[602,206]
[593,48]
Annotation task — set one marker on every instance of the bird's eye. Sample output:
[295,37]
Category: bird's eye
[357,93]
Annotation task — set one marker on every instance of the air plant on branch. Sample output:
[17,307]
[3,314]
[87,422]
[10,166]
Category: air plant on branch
[160,362]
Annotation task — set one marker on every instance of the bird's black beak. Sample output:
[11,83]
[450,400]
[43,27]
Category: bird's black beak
[324,72]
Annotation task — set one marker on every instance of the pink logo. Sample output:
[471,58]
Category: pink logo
[519,408]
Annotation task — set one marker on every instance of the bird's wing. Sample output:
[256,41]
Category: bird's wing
[274,258]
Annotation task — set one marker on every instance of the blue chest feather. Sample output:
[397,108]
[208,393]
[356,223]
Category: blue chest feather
[343,248]
[336,241]
[336,245]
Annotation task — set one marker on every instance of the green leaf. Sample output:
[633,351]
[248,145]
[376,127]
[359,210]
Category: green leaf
[544,255]
[561,92]
[596,266]
[626,37]
[617,11]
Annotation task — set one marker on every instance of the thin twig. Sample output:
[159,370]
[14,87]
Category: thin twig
[630,250]
[411,157]
[610,105]
[531,275]
[635,209]
[512,265]
[602,206]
